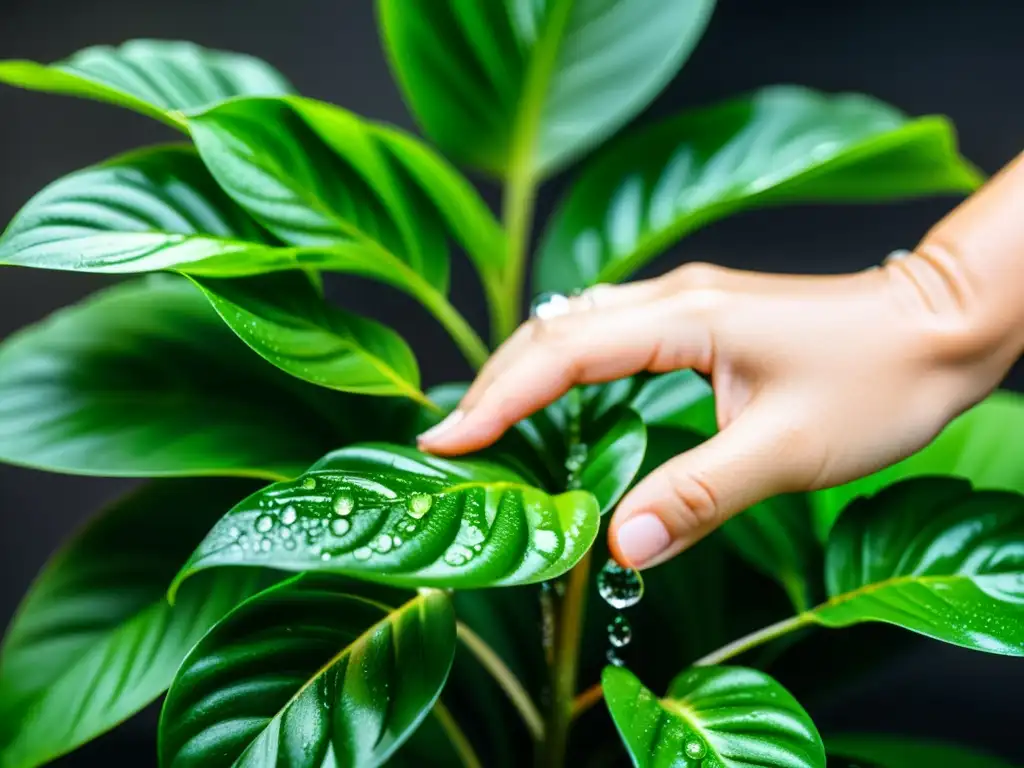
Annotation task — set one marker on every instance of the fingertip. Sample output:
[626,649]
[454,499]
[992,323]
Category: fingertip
[640,541]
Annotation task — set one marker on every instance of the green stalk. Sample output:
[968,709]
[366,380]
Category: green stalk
[754,639]
[457,737]
[518,218]
[467,340]
[569,628]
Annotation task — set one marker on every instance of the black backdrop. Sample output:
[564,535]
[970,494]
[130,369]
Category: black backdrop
[958,57]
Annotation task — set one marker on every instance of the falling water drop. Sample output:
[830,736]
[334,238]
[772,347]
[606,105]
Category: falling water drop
[613,658]
[696,749]
[309,483]
[264,523]
[343,505]
[340,526]
[419,505]
[619,631]
[619,587]
[289,516]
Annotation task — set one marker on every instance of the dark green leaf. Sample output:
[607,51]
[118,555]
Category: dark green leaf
[886,751]
[981,446]
[681,399]
[931,556]
[144,379]
[285,319]
[148,210]
[712,717]
[522,88]
[95,639]
[779,145]
[158,78]
[397,516]
[777,537]
[316,175]
[305,674]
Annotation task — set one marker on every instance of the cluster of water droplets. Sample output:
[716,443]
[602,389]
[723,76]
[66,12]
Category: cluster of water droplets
[279,524]
[621,588]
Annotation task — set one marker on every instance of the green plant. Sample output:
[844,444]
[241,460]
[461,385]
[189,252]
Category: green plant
[338,615]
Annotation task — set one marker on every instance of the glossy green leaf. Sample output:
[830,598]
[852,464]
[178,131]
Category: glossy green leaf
[306,674]
[982,446]
[316,175]
[712,717]
[932,556]
[95,640]
[780,145]
[285,320]
[148,210]
[682,399]
[143,380]
[158,78]
[394,515]
[515,87]
[884,751]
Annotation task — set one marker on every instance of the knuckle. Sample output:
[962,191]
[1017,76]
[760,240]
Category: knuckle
[694,504]
[697,276]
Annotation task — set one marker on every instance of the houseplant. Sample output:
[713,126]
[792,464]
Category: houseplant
[373,604]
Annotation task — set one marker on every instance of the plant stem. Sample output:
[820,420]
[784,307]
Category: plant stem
[456,736]
[508,682]
[586,700]
[563,673]
[754,639]
[467,340]
[518,220]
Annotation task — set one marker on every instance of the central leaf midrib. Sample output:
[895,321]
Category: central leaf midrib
[866,589]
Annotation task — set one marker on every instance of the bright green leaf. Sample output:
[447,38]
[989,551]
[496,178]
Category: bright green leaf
[931,556]
[514,87]
[158,78]
[285,320]
[397,516]
[780,145]
[885,751]
[148,210]
[305,674]
[95,639]
[980,446]
[143,380]
[712,717]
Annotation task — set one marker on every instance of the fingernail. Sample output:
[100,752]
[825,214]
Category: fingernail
[642,538]
[447,423]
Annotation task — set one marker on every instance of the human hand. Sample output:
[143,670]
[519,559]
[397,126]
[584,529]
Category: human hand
[818,380]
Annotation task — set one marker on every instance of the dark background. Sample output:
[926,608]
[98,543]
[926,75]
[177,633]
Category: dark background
[962,58]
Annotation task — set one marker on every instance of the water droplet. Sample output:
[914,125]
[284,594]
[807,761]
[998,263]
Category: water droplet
[384,543]
[285,533]
[265,545]
[340,526]
[419,505]
[620,587]
[326,556]
[613,658]
[363,553]
[410,527]
[309,483]
[548,305]
[343,505]
[289,545]
[243,540]
[233,532]
[478,547]
[289,515]
[398,541]
[264,523]
[458,555]
[619,631]
[696,749]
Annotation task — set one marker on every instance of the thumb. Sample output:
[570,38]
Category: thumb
[689,496]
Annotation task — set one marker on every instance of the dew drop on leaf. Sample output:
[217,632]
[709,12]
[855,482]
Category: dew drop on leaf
[363,553]
[264,523]
[326,556]
[340,526]
[309,483]
[458,555]
[265,545]
[419,505]
[289,516]
[695,749]
[343,505]
[619,587]
[384,543]
[289,545]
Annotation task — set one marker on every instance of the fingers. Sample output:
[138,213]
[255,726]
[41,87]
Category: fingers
[545,359]
[691,495]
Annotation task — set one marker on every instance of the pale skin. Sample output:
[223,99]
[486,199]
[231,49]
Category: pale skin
[818,380]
